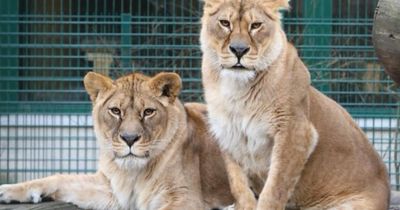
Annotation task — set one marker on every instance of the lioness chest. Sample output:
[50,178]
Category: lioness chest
[135,194]
[241,130]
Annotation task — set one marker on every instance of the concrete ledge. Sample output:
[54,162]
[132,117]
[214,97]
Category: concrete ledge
[40,206]
[395,205]
[67,206]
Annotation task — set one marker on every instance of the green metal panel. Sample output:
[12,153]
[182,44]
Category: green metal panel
[126,41]
[47,46]
[317,11]
[9,9]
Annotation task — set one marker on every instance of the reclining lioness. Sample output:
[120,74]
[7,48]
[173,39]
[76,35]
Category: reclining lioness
[285,141]
[154,152]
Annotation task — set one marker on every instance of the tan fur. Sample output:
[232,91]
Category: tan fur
[284,141]
[175,164]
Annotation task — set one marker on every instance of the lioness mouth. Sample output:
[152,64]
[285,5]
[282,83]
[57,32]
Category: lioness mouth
[238,66]
[133,156]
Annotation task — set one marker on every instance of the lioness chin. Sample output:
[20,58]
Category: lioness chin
[154,152]
[283,140]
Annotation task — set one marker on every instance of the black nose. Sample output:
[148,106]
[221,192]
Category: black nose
[130,139]
[239,49]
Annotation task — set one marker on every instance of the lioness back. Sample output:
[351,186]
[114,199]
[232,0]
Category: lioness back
[341,141]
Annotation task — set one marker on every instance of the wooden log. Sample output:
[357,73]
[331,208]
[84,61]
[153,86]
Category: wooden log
[386,36]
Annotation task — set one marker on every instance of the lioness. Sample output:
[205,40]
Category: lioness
[154,152]
[284,141]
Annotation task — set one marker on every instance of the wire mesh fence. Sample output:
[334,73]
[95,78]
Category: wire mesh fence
[47,46]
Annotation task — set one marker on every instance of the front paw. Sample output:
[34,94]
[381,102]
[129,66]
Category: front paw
[269,205]
[19,193]
[249,204]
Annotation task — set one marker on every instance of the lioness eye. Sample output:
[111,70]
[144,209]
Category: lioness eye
[148,112]
[255,25]
[225,23]
[115,110]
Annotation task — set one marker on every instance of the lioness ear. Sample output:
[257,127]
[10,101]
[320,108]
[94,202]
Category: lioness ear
[167,85]
[94,83]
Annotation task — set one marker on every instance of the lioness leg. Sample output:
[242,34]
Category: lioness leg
[377,200]
[292,147]
[184,202]
[86,191]
[240,188]
[356,205]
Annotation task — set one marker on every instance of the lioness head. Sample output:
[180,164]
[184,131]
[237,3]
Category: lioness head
[242,35]
[135,117]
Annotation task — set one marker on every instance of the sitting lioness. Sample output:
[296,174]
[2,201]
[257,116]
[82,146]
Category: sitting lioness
[154,152]
[285,143]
